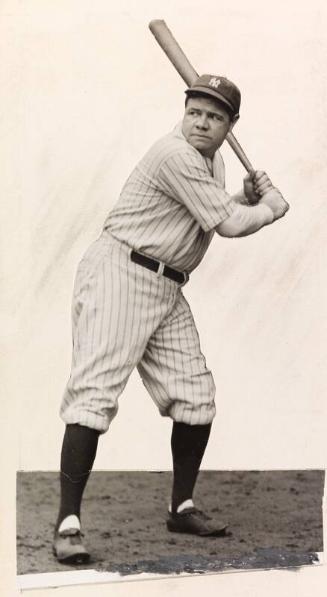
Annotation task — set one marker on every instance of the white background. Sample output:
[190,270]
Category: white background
[85,91]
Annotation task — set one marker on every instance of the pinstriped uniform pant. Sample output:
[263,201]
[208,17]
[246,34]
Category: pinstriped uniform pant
[126,316]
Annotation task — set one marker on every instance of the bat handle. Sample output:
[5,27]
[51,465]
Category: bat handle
[233,142]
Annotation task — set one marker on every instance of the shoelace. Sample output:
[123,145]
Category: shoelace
[190,511]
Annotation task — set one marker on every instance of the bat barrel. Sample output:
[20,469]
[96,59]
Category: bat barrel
[172,49]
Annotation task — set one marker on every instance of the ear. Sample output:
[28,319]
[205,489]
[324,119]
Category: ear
[233,122]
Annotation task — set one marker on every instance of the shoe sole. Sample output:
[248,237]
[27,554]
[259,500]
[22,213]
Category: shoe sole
[76,558]
[218,533]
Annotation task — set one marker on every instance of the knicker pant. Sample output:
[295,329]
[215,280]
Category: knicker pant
[126,316]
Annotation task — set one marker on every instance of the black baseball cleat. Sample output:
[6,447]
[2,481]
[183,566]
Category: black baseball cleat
[68,547]
[195,522]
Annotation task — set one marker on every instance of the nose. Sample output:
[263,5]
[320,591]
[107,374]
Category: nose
[202,121]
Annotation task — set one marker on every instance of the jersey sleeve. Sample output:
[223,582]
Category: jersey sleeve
[186,178]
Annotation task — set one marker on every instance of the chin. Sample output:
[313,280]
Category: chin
[201,146]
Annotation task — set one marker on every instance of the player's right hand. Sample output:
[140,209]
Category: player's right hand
[275,200]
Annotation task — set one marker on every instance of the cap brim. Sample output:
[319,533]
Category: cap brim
[212,93]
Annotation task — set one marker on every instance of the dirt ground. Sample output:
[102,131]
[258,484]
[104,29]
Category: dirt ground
[275,519]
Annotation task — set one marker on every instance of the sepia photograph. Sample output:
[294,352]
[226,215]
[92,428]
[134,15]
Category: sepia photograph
[165,294]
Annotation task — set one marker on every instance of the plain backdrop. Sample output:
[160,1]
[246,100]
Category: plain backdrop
[85,90]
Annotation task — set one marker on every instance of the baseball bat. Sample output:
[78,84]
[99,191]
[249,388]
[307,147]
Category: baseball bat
[174,52]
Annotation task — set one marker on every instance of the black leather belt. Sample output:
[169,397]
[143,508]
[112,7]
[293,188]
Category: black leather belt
[154,265]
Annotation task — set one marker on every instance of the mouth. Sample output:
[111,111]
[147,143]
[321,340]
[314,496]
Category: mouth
[200,136]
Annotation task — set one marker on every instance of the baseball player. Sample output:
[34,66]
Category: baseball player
[129,309]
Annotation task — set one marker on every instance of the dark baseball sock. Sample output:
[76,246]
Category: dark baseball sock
[188,444]
[77,456]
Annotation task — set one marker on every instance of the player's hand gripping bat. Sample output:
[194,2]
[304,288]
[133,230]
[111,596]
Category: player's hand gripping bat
[183,66]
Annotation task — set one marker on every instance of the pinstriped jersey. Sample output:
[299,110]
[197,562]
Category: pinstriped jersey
[171,203]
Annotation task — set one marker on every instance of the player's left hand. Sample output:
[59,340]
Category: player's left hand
[255,185]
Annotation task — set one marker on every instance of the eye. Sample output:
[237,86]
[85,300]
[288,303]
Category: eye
[217,117]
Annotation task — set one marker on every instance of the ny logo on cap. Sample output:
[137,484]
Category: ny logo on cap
[214,82]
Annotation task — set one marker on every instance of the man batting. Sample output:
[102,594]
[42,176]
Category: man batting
[129,309]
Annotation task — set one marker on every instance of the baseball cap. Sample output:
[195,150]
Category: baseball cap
[220,88]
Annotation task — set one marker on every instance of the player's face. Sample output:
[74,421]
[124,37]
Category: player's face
[205,125]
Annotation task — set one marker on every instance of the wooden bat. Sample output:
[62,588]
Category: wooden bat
[183,66]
